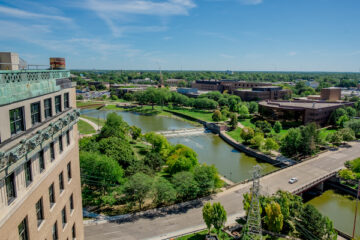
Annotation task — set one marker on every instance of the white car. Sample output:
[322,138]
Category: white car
[293,180]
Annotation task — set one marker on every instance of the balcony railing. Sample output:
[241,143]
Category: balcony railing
[28,147]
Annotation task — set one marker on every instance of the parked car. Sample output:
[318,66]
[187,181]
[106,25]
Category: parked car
[293,180]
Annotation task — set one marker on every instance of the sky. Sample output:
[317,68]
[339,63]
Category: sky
[238,35]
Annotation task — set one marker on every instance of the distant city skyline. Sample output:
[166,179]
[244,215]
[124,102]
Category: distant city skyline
[215,35]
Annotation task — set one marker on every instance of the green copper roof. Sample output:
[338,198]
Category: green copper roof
[23,84]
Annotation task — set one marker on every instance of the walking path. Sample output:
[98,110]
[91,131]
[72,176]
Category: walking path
[94,125]
[168,222]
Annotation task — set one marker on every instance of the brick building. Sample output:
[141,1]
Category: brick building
[222,85]
[263,93]
[40,190]
[300,111]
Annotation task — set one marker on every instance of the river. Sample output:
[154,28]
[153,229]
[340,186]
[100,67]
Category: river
[339,208]
[210,148]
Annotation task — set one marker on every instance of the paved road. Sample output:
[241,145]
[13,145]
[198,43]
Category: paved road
[168,224]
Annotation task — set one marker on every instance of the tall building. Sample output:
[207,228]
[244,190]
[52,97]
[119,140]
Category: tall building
[40,190]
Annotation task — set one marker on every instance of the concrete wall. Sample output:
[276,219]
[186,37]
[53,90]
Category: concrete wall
[9,57]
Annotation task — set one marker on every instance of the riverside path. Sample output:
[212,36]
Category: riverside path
[162,224]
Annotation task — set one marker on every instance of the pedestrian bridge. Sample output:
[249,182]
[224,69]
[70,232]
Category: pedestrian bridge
[183,132]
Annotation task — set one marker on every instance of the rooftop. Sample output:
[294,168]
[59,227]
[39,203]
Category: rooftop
[299,104]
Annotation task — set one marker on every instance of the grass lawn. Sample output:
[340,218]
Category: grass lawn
[247,123]
[89,103]
[324,132]
[112,107]
[85,128]
[99,121]
[235,134]
[198,114]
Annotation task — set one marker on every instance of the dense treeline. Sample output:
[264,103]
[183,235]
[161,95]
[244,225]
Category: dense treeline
[120,166]
[287,214]
[325,79]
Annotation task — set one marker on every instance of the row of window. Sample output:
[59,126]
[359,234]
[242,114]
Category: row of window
[10,180]
[17,118]
[23,226]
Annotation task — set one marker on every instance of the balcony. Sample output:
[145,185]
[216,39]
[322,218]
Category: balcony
[22,84]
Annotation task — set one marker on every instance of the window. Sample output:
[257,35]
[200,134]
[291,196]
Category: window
[47,108]
[41,161]
[55,232]
[69,171]
[61,181]
[63,217]
[73,231]
[35,113]
[10,188]
[39,212]
[58,104]
[23,230]
[52,151]
[71,202]
[28,173]
[68,137]
[51,195]
[61,147]
[66,100]
[17,120]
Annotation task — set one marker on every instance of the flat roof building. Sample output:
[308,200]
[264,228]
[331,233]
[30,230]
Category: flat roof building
[40,190]
[300,111]
[263,93]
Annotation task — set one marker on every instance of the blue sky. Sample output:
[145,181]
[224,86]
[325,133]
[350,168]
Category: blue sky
[246,35]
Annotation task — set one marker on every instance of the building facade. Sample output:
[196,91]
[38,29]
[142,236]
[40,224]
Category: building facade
[225,85]
[263,93]
[40,189]
[300,111]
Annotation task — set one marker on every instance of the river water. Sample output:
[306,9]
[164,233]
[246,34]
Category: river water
[339,208]
[210,148]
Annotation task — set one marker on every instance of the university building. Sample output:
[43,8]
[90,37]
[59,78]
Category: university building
[40,190]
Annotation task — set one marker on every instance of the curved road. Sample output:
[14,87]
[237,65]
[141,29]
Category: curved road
[165,224]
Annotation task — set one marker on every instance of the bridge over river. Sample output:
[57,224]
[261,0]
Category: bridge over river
[165,223]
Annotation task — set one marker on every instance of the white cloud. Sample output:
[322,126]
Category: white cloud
[292,53]
[251,2]
[115,13]
[14,12]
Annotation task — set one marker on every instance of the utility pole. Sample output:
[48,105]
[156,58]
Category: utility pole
[254,218]
[356,207]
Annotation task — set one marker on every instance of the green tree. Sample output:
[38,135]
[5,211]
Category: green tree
[219,217]
[154,160]
[264,126]
[159,143]
[277,127]
[335,138]
[185,185]
[247,134]
[347,174]
[207,178]
[118,149]
[181,158]
[257,141]
[163,192]
[347,134]
[243,112]
[217,116]
[207,213]
[253,107]
[99,171]
[137,188]
[290,143]
[336,114]
[271,144]
[318,225]
[135,132]
[354,124]
[342,120]
[274,218]
[351,112]
[114,127]
[233,121]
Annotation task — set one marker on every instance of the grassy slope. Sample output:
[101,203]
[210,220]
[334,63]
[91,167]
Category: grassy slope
[85,128]
[99,121]
[198,114]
